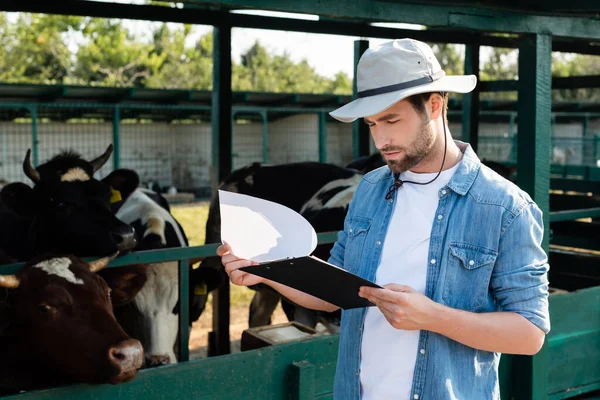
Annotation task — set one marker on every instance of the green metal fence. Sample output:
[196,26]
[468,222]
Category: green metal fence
[167,144]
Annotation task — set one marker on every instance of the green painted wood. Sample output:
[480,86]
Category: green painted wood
[574,342]
[116,137]
[221,100]
[576,185]
[470,114]
[530,375]
[480,19]
[184,310]
[574,361]
[222,141]
[265,136]
[361,135]
[505,377]
[34,137]
[573,393]
[499,86]
[302,380]
[204,16]
[568,215]
[163,255]
[258,374]
[534,105]
[322,138]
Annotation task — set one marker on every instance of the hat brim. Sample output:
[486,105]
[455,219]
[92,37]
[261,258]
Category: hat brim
[366,106]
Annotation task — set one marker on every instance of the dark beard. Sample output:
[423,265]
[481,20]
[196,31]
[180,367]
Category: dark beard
[418,150]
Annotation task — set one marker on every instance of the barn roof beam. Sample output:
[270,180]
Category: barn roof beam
[442,15]
[448,32]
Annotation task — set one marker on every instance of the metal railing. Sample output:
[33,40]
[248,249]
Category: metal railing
[183,256]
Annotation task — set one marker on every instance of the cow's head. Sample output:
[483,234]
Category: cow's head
[71,208]
[60,316]
[153,316]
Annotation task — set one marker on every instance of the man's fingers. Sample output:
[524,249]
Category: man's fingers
[379,294]
[223,249]
[236,264]
[399,288]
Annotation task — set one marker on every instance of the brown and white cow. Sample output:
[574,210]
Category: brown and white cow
[57,327]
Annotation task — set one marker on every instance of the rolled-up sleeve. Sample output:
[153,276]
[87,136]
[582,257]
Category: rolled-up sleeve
[520,278]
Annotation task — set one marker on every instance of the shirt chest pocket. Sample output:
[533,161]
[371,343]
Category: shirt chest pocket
[467,279]
[358,228]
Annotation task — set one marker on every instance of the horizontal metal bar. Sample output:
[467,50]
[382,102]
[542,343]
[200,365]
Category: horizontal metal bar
[345,28]
[444,16]
[568,215]
[499,86]
[193,253]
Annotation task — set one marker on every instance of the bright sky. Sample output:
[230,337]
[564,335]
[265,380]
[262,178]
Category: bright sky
[328,54]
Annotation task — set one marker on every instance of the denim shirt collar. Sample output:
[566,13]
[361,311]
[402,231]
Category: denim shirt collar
[467,170]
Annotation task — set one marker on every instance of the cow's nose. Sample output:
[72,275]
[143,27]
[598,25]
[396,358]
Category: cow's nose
[127,355]
[157,361]
[124,236]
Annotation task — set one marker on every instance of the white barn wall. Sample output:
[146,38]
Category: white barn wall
[180,154]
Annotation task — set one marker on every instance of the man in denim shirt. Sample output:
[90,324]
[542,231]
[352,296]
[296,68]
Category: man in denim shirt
[456,247]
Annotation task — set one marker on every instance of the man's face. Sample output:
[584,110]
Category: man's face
[403,136]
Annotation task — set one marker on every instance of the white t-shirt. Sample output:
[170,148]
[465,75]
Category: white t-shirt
[388,355]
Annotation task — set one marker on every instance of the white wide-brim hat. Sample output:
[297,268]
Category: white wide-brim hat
[394,71]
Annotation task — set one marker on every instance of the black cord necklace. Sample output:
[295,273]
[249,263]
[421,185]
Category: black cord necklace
[399,182]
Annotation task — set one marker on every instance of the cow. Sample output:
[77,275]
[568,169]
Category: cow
[66,211]
[152,316]
[293,185]
[57,326]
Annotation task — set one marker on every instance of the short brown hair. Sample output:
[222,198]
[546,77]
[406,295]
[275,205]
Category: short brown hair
[418,102]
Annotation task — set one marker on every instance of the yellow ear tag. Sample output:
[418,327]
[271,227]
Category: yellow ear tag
[200,289]
[115,196]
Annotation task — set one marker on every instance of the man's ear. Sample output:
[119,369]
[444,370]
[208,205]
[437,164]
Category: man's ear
[437,105]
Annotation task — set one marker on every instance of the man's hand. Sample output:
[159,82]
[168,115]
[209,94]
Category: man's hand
[233,263]
[402,306]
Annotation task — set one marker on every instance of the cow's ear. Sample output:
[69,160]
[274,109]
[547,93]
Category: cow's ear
[124,181]
[125,282]
[18,198]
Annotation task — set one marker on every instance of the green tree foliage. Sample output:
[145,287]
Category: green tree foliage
[565,65]
[33,48]
[37,48]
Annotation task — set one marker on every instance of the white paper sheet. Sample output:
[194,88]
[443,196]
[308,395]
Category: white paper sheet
[262,230]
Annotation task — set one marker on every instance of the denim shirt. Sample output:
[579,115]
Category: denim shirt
[485,255]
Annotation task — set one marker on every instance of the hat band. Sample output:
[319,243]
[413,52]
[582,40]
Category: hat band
[401,86]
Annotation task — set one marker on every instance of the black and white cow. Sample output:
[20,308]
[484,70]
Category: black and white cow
[66,211]
[305,187]
[321,193]
[152,316]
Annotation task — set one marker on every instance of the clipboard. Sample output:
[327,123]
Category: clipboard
[316,277]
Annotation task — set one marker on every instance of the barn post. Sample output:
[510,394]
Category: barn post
[470,108]
[34,139]
[265,136]
[117,137]
[222,164]
[530,373]
[360,131]
[322,137]
[184,310]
